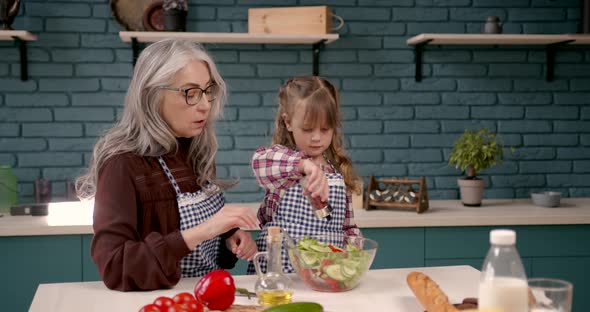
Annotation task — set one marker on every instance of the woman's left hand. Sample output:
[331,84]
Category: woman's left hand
[241,244]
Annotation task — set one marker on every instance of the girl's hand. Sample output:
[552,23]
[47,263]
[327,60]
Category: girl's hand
[242,245]
[316,182]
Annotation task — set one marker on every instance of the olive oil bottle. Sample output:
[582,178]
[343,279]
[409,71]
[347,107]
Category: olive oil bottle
[274,297]
[273,287]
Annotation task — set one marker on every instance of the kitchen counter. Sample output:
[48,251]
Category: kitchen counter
[70,218]
[380,290]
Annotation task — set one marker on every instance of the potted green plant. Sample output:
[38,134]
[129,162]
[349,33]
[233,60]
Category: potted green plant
[472,152]
[175,12]
[8,189]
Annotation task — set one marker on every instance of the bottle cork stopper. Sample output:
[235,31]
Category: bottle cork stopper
[274,231]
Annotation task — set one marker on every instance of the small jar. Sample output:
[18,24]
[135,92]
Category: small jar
[492,25]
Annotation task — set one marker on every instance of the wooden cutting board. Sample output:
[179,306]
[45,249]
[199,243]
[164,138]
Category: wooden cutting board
[243,308]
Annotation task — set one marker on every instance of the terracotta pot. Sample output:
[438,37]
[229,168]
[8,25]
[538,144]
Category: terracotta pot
[471,191]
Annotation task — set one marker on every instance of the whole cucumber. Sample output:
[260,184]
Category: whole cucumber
[296,307]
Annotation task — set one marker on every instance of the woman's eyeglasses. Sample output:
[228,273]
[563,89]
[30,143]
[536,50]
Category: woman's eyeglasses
[193,95]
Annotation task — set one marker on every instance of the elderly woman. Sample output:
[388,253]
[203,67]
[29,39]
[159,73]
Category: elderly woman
[159,211]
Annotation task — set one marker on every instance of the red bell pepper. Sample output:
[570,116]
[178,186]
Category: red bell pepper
[216,290]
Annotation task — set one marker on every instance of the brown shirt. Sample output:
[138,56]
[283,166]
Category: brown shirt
[137,243]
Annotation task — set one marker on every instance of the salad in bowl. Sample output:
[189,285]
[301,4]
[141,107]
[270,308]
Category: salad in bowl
[326,263]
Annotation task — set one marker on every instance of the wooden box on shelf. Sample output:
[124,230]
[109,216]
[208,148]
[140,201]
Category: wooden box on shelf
[390,187]
[290,20]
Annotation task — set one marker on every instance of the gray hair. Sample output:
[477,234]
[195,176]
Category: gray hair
[142,130]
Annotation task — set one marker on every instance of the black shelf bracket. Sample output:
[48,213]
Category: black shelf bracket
[24,62]
[316,56]
[316,48]
[551,48]
[418,50]
[135,48]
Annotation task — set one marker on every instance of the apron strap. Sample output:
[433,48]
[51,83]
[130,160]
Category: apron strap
[169,174]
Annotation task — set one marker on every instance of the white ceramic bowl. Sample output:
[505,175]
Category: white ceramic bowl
[546,199]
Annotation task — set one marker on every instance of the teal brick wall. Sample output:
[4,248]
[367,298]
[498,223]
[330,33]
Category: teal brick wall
[79,71]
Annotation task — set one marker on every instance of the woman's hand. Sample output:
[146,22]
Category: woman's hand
[227,218]
[241,244]
[316,182]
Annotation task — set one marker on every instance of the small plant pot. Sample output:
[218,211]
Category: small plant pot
[471,191]
[175,20]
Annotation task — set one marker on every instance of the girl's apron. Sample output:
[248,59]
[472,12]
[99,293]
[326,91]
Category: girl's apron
[295,215]
[194,209]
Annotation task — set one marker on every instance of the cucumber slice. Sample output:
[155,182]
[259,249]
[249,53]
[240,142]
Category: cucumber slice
[310,258]
[304,244]
[320,248]
[334,271]
[349,269]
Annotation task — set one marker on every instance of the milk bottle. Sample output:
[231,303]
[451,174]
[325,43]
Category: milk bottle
[503,285]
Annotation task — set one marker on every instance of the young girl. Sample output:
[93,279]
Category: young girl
[307,143]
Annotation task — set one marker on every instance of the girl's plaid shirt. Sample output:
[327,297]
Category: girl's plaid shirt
[275,168]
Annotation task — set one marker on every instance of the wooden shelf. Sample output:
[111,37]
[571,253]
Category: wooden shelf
[483,39]
[551,42]
[21,36]
[17,34]
[579,39]
[202,37]
[317,41]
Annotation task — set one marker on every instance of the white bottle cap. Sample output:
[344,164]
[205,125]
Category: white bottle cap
[503,237]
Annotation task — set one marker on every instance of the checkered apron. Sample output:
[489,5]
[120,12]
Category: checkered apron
[295,215]
[194,209]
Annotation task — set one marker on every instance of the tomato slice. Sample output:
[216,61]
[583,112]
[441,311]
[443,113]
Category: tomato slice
[334,248]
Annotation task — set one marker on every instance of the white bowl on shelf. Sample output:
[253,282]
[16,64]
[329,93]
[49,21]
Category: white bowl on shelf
[546,199]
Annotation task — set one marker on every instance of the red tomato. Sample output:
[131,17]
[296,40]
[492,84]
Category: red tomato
[163,302]
[306,274]
[178,308]
[334,284]
[183,297]
[150,308]
[194,306]
[325,263]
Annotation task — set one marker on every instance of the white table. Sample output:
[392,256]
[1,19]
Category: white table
[380,290]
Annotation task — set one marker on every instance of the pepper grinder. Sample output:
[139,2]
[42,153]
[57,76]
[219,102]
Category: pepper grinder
[321,209]
[42,191]
[71,191]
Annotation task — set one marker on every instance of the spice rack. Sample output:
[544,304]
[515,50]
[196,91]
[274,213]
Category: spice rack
[421,194]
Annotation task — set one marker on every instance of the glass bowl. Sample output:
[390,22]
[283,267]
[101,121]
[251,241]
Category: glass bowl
[331,263]
[546,199]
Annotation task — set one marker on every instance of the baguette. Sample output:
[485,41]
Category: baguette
[432,298]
